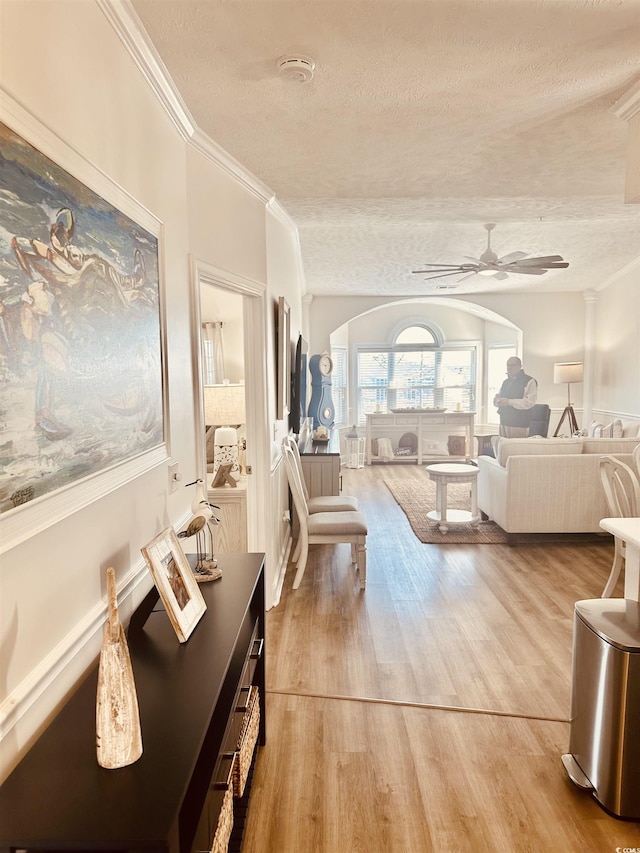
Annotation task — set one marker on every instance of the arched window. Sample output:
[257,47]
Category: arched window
[418,371]
[422,335]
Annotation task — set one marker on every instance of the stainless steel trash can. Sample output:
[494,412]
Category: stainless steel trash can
[604,740]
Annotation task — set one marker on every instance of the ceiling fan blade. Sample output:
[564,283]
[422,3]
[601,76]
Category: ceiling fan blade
[513,256]
[524,268]
[435,267]
[431,274]
[547,259]
[527,270]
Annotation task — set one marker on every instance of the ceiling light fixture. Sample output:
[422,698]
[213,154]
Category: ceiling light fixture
[298,68]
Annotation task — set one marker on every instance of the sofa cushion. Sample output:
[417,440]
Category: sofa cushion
[536,447]
[609,445]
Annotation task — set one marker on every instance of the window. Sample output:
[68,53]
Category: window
[411,376]
[417,335]
[339,384]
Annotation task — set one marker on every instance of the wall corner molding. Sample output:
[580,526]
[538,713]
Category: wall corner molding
[616,276]
[629,104]
[128,27]
[209,149]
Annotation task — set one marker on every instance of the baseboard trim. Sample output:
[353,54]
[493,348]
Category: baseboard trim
[85,638]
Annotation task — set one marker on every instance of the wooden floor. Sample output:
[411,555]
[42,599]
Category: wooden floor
[429,711]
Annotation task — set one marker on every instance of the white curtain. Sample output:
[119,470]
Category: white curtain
[212,354]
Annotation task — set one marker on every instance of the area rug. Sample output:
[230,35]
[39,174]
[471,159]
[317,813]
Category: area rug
[416,497]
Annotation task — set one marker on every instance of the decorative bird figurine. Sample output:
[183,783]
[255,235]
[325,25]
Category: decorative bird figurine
[202,513]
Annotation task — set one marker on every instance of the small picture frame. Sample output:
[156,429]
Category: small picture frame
[223,476]
[175,582]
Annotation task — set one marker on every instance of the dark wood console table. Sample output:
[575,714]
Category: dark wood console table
[190,695]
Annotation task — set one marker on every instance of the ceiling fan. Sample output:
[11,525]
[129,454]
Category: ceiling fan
[489,264]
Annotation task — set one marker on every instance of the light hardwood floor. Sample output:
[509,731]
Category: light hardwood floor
[429,711]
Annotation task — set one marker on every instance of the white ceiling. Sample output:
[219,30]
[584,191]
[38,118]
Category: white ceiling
[424,120]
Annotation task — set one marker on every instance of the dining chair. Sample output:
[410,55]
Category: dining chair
[320,503]
[622,492]
[324,527]
[635,455]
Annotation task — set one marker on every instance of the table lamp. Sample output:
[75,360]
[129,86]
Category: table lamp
[224,409]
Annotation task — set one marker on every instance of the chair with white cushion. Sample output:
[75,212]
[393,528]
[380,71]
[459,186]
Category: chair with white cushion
[320,503]
[324,527]
[622,492]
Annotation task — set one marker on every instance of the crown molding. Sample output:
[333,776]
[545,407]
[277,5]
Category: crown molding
[281,214]
[616,276]
[128,27]
[205,146]
[629,104]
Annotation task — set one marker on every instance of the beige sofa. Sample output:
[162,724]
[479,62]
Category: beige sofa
[548,485]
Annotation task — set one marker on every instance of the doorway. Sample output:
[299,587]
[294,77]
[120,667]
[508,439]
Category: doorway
[241,301]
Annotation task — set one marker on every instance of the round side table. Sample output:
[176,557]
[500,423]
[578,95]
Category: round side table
[444,473]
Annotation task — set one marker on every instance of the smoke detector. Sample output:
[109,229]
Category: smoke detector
[298,68]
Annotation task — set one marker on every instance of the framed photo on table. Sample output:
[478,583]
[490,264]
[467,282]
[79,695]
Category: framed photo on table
[175,582]
[223,476]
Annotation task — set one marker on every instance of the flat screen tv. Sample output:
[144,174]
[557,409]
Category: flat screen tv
[299,386]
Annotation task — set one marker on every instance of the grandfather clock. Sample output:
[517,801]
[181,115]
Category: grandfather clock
[321,407]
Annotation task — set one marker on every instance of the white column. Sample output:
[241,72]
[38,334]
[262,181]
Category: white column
[590,298]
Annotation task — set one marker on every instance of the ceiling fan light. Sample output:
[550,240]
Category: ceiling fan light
[487,273]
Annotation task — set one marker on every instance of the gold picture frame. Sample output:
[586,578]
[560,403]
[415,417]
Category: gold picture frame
[175,582]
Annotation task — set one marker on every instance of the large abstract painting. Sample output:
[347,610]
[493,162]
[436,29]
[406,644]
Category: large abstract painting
[80,330]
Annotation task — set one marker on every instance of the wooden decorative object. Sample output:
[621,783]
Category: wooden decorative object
[224,477]
[118,735]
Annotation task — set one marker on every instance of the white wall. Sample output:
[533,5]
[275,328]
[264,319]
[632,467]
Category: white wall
[617,339]
[552,327]
[53,584]
[285,278]
[70,87]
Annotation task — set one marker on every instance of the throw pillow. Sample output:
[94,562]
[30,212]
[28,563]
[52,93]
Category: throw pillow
[594,428]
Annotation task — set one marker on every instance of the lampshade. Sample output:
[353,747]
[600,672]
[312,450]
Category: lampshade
[224,405]
[568,371]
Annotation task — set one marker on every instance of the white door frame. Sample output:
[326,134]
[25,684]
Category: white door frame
[253,310]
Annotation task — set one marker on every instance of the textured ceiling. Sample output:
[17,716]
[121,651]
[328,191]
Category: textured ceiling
[424,120]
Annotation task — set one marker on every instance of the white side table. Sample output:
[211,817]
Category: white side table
[444,473]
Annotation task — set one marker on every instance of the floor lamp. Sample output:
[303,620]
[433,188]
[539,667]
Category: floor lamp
[568,371]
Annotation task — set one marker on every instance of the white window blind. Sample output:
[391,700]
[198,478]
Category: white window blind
[404,377]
